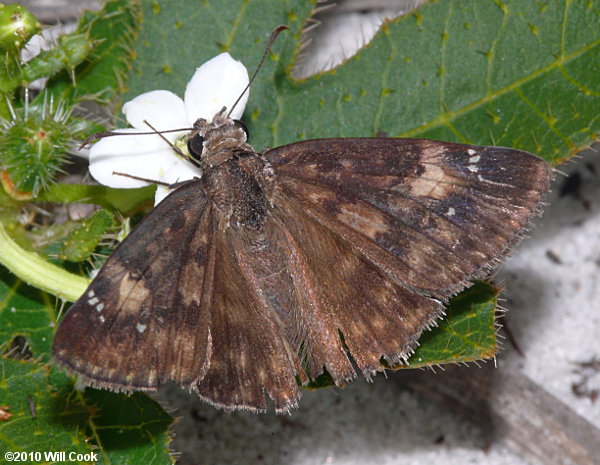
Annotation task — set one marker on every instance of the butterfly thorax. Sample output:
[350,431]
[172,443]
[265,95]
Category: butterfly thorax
[237,178]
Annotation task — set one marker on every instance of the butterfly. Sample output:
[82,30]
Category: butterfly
[327,255]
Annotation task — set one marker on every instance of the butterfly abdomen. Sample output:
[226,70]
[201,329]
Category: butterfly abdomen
[239,191]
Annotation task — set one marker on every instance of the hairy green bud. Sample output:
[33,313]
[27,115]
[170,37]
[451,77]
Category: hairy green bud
[17,26]
[33,147]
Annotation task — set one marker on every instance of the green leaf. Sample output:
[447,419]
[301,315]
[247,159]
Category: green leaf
[468,71]
[27,312]
[129,428]
[517,73]
[121,429]
[176,37]
[47,414]
[127,201]
[467,334]
[79,244]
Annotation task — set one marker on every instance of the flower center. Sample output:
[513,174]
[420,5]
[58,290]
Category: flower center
[181,144]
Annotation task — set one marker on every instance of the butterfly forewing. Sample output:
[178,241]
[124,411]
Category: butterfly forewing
[431,214]
[142,320]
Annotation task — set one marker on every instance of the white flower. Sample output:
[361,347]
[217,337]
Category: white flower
[214,85]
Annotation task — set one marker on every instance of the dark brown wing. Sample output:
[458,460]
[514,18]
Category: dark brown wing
[431,214]
[172,303]
[143,319]
[379,231]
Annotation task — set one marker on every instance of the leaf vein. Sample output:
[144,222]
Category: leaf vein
[543,117]
[443,119]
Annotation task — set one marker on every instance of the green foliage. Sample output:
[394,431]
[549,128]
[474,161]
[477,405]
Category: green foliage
[518,74]
[28,313]
[79,244]
[101,77]
[37,135]
[127,201]
[48,413]
[17,26]
[466,334]
[70,50]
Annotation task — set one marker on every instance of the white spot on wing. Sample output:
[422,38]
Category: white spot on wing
[471,152]
[140,328]
[93,301]
[451,211]
[101,318]
[473,168]
[91,293]
[99,307]
[474,159]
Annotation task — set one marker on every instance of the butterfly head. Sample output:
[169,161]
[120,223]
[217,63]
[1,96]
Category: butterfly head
[214,142]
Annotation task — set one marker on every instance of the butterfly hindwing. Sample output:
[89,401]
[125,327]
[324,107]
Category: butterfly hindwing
[141,320]
[251,357]
[431,214]
[347,305]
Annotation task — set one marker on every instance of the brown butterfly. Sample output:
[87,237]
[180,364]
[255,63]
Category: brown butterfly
[323,255]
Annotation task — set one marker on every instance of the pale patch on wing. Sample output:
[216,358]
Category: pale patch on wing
[434,182]
[132,292]
[191,275]
[369,221]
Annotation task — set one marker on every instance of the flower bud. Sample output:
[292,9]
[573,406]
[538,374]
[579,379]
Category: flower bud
[32,149]
[17,26]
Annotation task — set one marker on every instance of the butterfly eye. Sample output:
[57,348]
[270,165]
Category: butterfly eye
[194,146]
[243,127]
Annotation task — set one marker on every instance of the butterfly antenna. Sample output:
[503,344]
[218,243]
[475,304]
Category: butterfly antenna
[137,178]
[103,134]
[274,35]
[176,149]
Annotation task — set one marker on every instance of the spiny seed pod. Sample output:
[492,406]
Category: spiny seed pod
[17,26]
[32,148]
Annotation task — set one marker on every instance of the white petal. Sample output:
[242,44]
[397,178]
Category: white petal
[146,156]
[216,84]
[161,193]
[162,109]
[179,172]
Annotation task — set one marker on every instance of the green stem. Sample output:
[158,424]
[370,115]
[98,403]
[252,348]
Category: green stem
[33,270]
